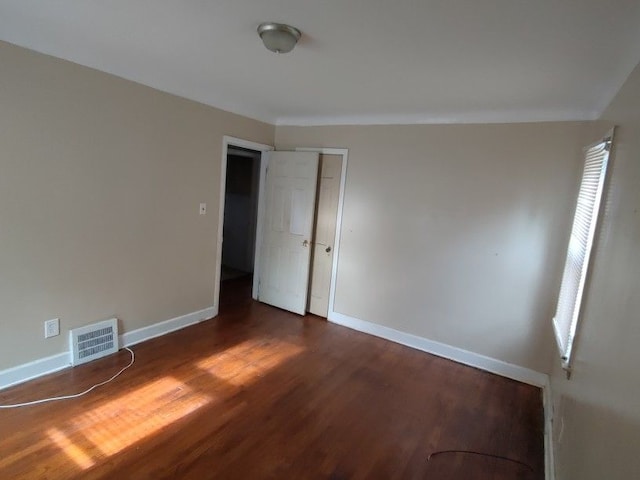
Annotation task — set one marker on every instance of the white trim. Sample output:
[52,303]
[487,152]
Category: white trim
[44,366]
[260,147]
[31,370]
[162,328]
[336,242]
[240,142]
[456,354]
[443,119]
[264,164]
[549,461]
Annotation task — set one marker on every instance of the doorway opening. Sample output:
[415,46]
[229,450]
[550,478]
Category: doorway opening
[240,224]
[236,149]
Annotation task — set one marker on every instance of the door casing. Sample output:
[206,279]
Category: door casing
[264,150]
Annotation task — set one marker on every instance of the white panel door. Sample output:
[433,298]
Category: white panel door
[325,233]
[290,191]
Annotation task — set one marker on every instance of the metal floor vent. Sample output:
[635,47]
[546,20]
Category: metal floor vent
[93,341]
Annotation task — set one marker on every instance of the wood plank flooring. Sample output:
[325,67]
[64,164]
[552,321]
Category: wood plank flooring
[258,393]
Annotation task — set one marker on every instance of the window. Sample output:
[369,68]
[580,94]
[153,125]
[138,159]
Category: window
[585,220]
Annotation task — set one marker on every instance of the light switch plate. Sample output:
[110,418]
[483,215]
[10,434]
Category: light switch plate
[203,209]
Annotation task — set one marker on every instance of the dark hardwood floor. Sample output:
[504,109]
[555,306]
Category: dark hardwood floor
[258,393]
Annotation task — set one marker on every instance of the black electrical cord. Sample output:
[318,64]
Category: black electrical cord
[471,452]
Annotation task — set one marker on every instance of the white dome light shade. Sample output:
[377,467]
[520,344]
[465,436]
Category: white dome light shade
[278,37]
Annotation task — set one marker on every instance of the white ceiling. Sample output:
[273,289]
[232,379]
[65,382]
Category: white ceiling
[359,61]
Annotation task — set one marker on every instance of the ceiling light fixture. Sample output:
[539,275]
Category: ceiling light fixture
[278,37]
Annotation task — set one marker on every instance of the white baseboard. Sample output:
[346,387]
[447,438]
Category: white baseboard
[37,368]
[456,354]
[162,328]
[465,357]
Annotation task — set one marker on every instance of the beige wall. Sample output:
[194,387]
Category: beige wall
[100,181]
[600,405]
[456,232]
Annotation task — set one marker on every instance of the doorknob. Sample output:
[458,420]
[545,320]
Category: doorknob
[305,243]
[328,249]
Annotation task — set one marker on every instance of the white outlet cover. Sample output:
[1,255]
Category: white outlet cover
[52,328]
[203,209]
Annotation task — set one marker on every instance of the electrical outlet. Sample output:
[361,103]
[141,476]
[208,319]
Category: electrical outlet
[203,209]
[52,328]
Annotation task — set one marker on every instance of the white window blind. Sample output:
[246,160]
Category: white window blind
[585,220]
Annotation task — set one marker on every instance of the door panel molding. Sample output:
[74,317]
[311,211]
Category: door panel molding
[290,191]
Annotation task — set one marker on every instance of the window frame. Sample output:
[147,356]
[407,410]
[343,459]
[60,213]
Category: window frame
[565,330]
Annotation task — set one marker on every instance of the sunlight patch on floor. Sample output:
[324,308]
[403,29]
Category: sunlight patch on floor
[125,420]
[74,452]
[245,362]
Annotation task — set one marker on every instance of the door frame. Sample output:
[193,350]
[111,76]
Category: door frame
[344,152]
[228,141]
[264,160]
